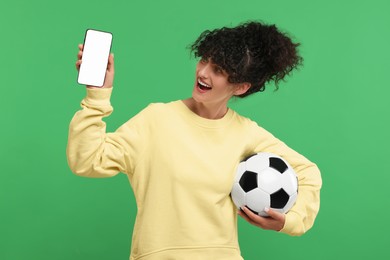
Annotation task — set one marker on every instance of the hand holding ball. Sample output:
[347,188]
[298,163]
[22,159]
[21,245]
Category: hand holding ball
[265,180]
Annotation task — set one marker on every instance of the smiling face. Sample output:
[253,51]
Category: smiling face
[212,86]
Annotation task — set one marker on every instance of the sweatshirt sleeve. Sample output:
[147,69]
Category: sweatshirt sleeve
[91,152]
[300,218]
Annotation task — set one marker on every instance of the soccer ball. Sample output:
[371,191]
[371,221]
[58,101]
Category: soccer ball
[265,180]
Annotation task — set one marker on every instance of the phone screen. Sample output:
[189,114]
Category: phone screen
[97,46]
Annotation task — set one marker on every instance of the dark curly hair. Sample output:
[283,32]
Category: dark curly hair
[252,52]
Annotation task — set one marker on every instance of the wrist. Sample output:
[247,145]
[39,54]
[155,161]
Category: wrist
[99,96]
[93,87]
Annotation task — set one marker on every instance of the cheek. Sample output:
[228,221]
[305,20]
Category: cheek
[223,80]
[223,84]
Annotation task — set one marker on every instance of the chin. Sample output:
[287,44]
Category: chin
[197,98]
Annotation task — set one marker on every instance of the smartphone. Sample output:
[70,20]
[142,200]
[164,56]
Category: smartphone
[97,47]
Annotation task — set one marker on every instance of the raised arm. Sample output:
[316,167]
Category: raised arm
[91,151]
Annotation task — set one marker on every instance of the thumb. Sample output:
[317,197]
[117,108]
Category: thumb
[274,214]
[110,65]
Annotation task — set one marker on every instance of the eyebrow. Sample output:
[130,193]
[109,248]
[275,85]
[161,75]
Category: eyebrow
[215,64]
[220,68]
[209,59]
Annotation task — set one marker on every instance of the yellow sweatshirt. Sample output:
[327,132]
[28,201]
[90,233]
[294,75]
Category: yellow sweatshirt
[181,168]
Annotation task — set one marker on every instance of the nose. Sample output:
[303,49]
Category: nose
[203,71]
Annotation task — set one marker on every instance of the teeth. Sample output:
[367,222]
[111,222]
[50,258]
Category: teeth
[203,84]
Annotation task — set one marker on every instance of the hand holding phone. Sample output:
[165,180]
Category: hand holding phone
[95,64]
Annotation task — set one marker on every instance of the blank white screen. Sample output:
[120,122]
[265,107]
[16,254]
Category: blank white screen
[97,47]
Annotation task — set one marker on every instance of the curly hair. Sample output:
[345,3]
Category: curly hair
[252,52]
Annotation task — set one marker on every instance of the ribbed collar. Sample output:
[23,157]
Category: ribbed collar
[201,121]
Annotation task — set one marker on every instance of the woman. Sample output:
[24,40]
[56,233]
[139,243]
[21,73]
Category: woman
[180,157]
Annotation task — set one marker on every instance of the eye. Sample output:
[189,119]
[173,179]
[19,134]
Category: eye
[218,70]
[203,60]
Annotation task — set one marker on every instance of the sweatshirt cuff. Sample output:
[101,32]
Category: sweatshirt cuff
[291,225]
[98,96]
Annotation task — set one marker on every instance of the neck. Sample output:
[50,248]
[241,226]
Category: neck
[208,111]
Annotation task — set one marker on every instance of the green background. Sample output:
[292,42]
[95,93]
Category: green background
[334,110]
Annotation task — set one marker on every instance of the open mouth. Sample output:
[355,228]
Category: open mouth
[203,86]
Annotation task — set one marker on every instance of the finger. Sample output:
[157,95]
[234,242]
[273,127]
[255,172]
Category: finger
[81,47]
[258,220]
[244,216]
[80,55]
[252,215]
[274,214]
[110,66]
[78,63]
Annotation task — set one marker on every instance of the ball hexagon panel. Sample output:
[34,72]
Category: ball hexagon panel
[257,200]
[289,182]
[269,180]
[256,163]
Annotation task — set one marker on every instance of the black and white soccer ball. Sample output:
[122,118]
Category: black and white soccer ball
[265,180]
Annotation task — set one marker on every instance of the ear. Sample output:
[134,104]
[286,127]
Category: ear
[241,88]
